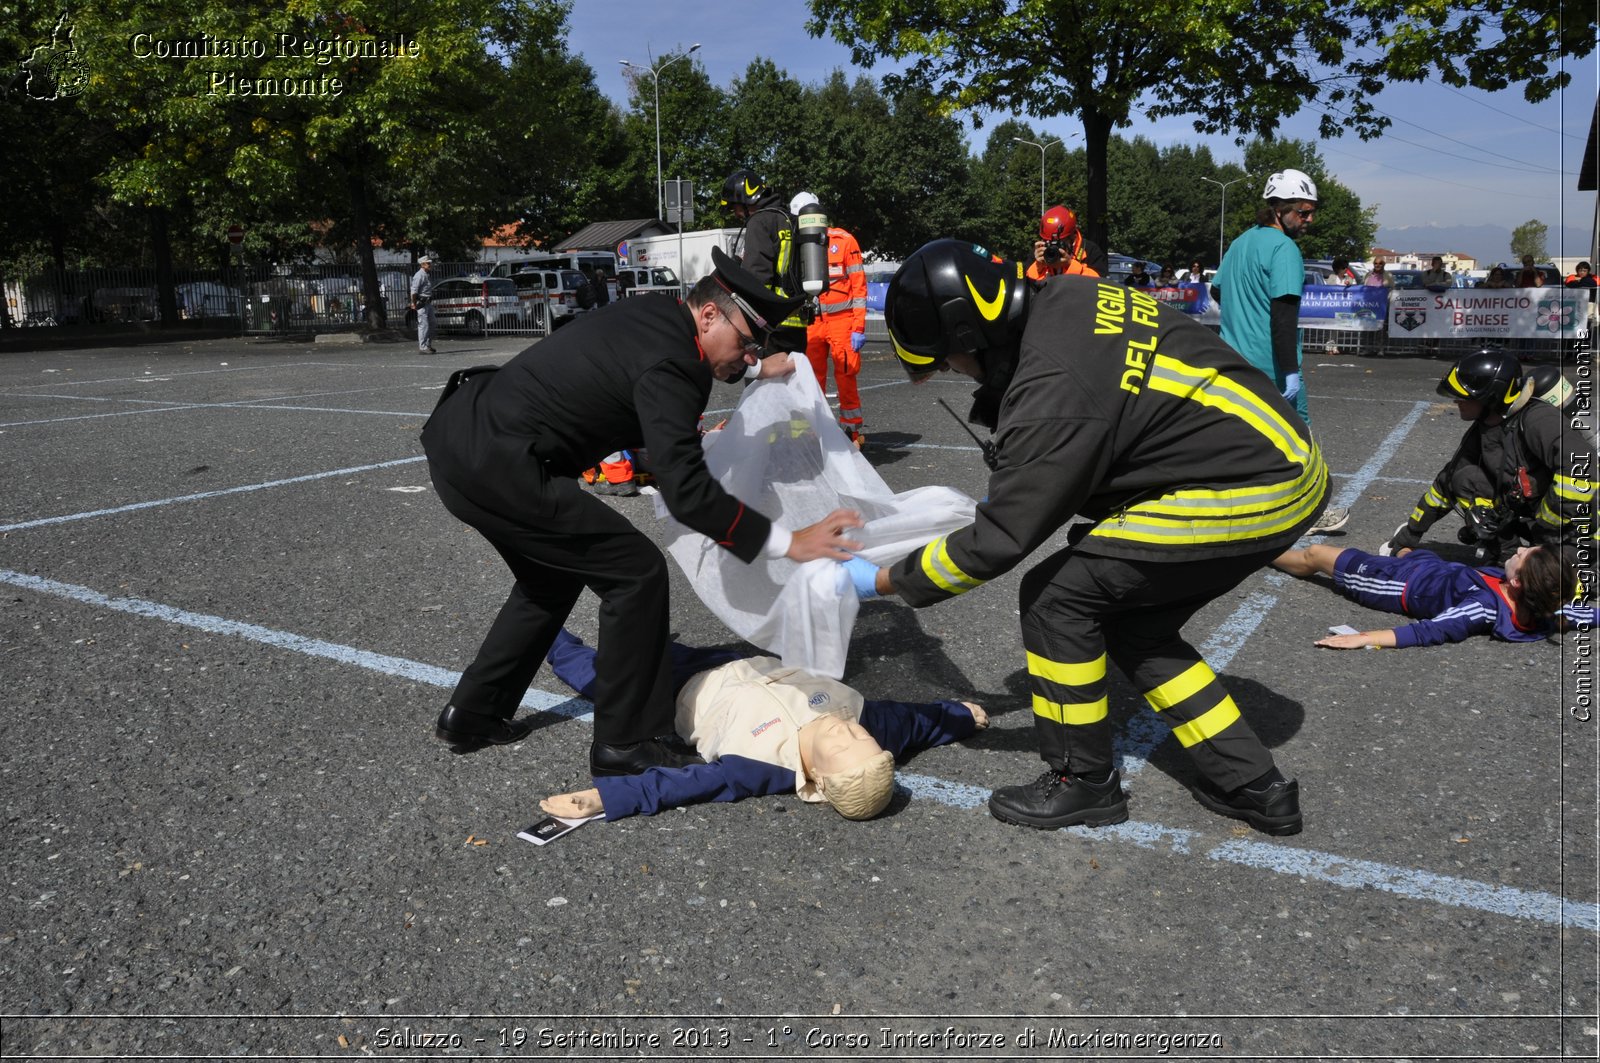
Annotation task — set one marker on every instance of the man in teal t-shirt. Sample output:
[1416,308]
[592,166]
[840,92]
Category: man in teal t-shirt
[1258,290]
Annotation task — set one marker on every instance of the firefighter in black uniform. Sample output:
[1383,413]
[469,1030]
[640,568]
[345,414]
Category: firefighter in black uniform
[1192,470]
[1516,474]
[505,448]
[767,249]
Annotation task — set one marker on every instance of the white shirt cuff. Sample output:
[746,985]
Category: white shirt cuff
[778,541]
[752,371]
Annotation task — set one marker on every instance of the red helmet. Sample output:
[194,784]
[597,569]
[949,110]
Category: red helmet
[1058,223]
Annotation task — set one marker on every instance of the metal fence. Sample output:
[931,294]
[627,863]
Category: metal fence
[1377,343]
[119,296]
[268,300]
[265,300]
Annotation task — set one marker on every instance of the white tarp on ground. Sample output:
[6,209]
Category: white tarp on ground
[782,453]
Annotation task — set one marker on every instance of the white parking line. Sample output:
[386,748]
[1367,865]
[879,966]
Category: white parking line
[66,518]
[271,403]
[1335,870]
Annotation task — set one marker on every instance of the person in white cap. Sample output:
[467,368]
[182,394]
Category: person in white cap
[1258,289]
[422,303]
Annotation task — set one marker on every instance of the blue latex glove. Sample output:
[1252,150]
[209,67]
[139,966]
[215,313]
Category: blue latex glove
[858,340]
[1291,386]
[861,574]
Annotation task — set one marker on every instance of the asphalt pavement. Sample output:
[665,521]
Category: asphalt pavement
[231,607]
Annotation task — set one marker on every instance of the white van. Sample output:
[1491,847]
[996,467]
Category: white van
[549,296]
[636,280]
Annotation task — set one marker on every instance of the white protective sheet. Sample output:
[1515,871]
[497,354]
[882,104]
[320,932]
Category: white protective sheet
[783,454]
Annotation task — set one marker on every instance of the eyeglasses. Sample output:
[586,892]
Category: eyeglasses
[749,344]
[1305,215]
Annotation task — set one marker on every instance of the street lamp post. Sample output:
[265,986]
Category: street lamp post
[1041,148]
[1223,216]
[655,79]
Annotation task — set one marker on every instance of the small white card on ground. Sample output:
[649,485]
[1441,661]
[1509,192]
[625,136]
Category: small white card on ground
[550,828]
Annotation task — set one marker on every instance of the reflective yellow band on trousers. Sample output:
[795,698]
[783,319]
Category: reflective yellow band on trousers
[1069,675]
[1180,687]
[1078,713]
[1208,725]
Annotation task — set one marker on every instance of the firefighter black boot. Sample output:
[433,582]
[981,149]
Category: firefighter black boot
[1055,800]
[1272,809]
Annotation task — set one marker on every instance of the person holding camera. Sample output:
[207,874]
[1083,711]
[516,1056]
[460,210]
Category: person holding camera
[1061,248]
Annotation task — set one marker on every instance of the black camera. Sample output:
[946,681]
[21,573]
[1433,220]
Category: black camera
[1053,251]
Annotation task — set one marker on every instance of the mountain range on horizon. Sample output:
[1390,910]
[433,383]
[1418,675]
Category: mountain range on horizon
[1488,244]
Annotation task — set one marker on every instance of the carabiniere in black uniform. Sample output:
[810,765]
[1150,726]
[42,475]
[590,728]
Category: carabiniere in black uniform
[505,448]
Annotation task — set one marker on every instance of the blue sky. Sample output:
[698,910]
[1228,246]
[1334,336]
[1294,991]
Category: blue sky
[1453,157]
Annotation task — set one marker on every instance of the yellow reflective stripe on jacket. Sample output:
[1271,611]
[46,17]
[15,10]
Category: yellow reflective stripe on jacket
[1209,724]
[1546,515]
[1067,675]
[1180,687]
[1218,516]
[942,571]
[1210,388]
[1073,713]
[1571,487]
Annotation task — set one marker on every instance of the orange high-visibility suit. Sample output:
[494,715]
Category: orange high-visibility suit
[842,314]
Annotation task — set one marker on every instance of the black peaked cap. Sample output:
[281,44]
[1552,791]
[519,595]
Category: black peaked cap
[767,305]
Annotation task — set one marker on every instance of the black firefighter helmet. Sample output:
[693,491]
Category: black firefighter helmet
[743,188]
[954,297]
[1490,376]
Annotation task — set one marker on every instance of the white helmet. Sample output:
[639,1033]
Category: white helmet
[1290,184]
[799,203]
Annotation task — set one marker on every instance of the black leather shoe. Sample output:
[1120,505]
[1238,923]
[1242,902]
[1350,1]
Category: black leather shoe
[1275,810]
[467,731]
[638,757]
[1053,800]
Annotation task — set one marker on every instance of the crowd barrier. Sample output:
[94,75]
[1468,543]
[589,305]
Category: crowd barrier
[258,300]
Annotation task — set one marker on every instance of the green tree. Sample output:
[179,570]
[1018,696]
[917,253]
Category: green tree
[1528,239]
[764,130]
[1005,184]
[694,120]
[1231,65]
[428,146]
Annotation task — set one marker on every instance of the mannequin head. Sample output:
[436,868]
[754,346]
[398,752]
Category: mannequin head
[853,772]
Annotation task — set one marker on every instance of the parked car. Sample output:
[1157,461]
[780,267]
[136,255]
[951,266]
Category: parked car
[123,304]
[1404,277]
[1120,266]
[475,303]
[549,295]
[201,299]
[635,279]
[1318,274]
[879,274]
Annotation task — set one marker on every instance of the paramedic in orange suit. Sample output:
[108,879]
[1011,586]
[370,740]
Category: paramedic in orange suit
[840,330]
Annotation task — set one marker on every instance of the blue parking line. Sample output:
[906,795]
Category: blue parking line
[1335,870]
[132,506]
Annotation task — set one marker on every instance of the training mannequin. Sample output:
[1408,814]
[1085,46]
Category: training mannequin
[766,729]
